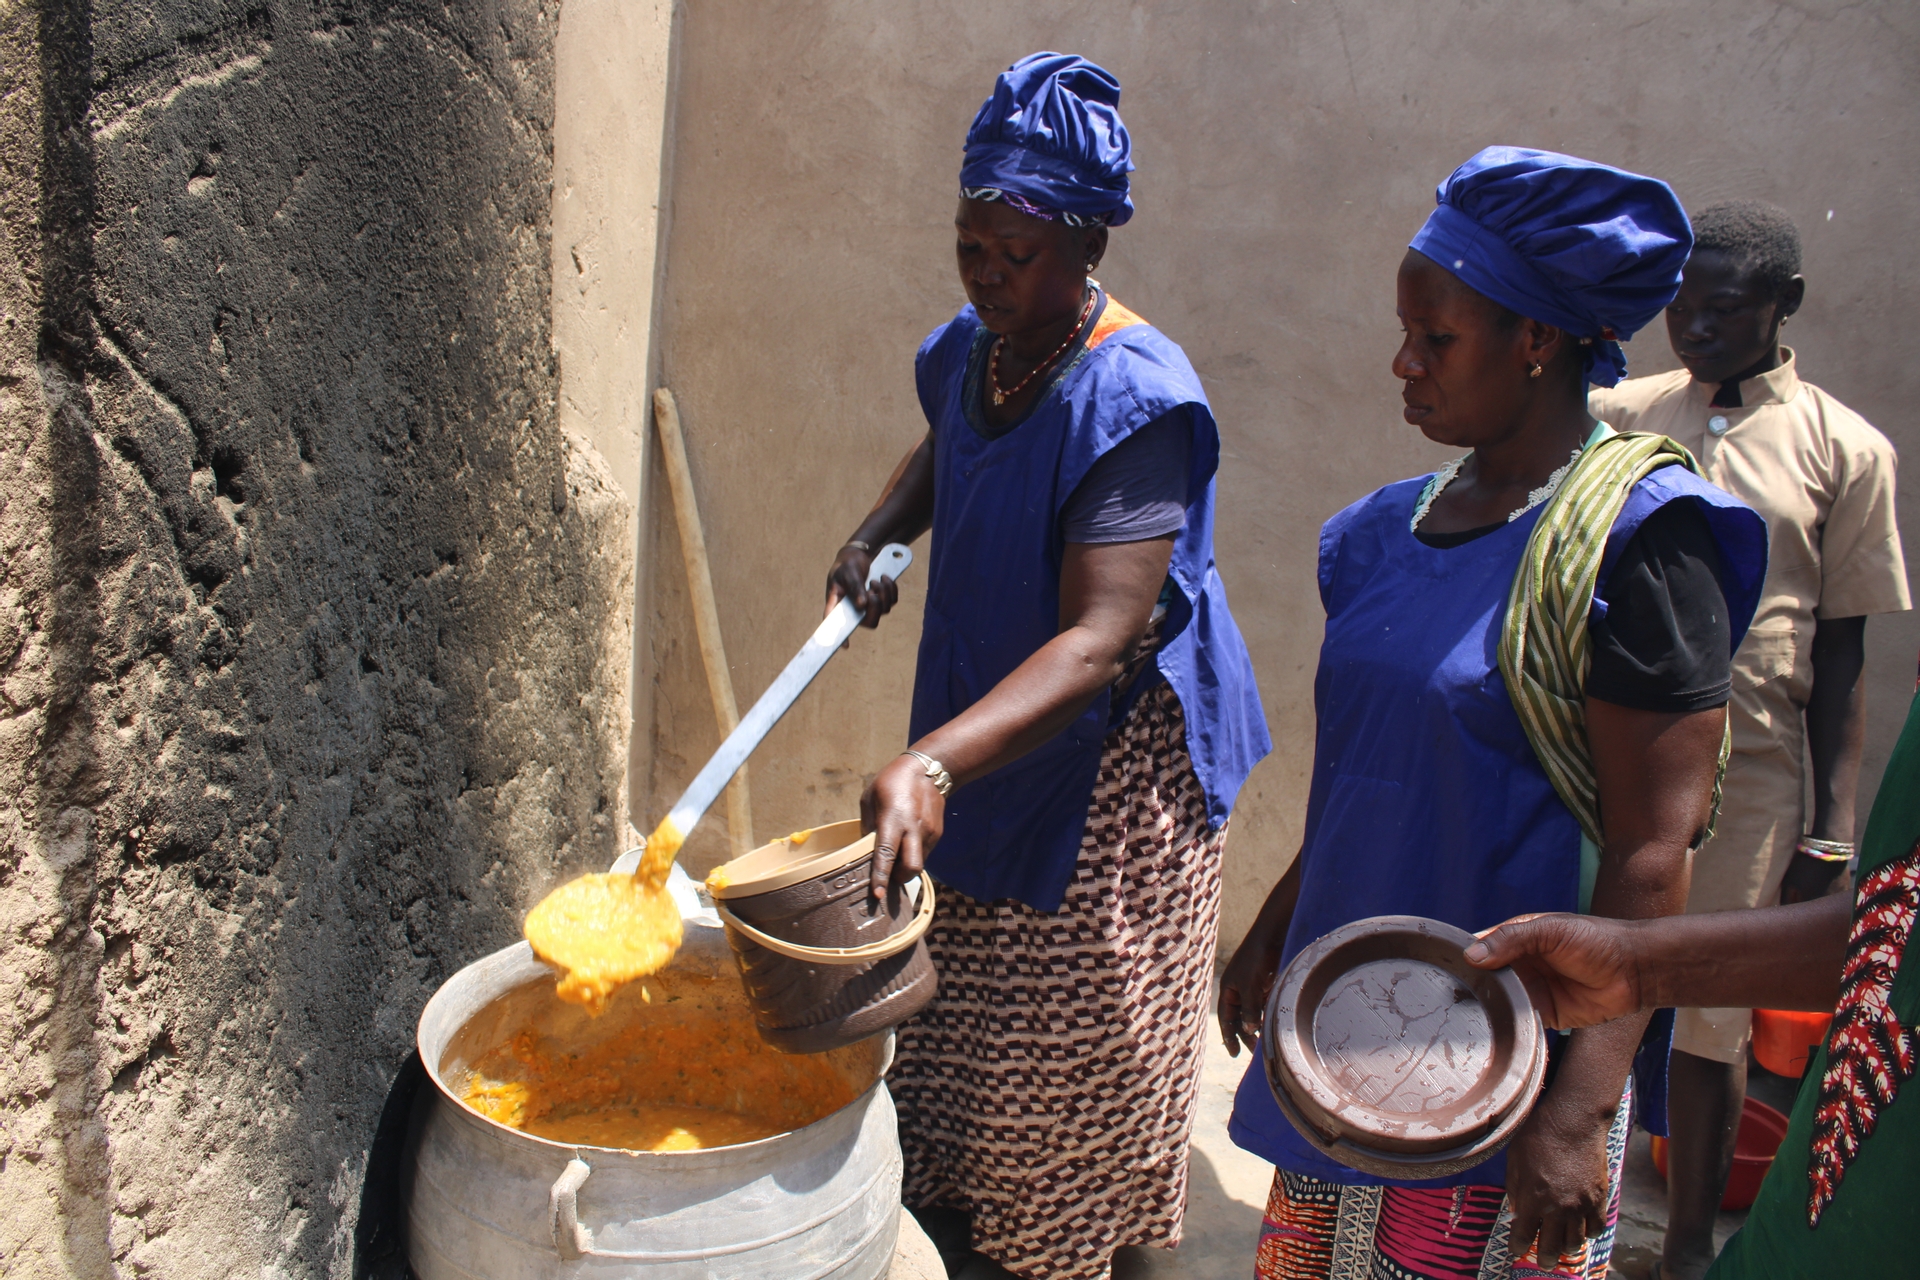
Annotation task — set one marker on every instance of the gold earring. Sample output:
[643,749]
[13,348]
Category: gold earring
[1536,370]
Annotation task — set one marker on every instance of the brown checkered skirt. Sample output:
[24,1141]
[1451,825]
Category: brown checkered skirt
[1050,1087]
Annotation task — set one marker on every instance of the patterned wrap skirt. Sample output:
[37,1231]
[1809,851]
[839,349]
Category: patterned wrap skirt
[1049,1089]
[1317,1230]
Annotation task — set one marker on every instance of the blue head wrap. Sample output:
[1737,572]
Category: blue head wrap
[1582,246]
[1050,142]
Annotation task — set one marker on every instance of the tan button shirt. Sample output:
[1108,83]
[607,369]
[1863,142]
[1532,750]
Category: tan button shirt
[1819,474]
[1823,480]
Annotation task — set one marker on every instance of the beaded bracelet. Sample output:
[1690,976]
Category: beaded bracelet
[1825,850]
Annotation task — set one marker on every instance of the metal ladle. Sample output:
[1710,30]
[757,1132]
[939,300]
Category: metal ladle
[834,630]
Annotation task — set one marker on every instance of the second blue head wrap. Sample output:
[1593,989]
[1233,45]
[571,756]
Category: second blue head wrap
[1591,249]
[1051,137]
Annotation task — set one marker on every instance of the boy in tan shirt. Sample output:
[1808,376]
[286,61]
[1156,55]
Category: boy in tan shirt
[1823,479]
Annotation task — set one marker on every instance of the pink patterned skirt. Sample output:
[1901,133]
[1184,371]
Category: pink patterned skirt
[1049,1090]
[1316,1230]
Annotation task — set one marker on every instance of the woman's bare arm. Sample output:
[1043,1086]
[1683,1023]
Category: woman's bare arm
[903,513]
[1582,970]
[1107,593]
[1248,979]
[1655,774]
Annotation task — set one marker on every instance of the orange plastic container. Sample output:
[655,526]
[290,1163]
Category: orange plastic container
[1761,1129]
[1784,1040]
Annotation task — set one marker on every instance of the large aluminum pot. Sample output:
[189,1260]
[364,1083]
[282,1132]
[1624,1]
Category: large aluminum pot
[488,1201]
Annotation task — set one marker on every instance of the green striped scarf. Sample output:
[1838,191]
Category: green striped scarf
[1544,648]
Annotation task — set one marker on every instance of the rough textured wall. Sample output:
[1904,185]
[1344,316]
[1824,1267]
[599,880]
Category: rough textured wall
[312,667]
[1287,151]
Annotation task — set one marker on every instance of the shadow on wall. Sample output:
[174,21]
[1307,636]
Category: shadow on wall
[380,1235]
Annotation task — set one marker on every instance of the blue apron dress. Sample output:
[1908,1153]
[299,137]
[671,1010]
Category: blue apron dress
[993,597]
[1426,798]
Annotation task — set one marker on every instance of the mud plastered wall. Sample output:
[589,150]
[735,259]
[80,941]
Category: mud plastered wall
[1286,152]
[313,625]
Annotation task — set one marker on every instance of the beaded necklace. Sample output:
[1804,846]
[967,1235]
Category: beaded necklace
[993,365]
[1445,476]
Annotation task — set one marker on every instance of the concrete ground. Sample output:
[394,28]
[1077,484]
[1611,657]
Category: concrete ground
[1226,1191]
[1643,1214]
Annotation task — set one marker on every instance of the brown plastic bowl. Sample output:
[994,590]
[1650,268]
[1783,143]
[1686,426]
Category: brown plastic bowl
[1393,1055]
[795,896]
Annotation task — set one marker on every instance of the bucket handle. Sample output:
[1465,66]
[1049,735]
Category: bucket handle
[572,1238]
[889,946]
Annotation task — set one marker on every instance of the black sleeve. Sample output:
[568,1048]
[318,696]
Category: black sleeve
[1660,634]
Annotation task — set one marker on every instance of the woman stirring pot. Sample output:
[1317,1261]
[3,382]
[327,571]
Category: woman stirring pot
[1084,713]
[1520,701]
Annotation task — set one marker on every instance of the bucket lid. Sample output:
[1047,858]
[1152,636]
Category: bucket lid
[804,855]
[1388,1045]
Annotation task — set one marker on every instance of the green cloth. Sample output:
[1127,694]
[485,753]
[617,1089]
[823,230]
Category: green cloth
[1544,647]
[1868,1229]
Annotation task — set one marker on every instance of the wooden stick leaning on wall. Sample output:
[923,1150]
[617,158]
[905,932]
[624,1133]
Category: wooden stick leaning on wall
[706,615]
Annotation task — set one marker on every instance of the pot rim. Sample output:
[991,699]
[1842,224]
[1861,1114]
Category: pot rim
[521,966]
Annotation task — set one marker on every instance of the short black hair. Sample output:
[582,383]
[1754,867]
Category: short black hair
[1758,234]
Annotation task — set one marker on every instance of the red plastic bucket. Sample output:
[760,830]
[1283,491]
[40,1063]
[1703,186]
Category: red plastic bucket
[1761,1130]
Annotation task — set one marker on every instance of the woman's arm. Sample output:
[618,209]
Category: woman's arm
[1107,594]
[903,513]
[1655,773]
[1582,970]
[1249,977]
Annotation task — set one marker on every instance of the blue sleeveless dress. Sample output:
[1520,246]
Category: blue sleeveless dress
[1426,798]
[993,598]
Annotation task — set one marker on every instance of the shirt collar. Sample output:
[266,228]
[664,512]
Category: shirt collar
[1776,386]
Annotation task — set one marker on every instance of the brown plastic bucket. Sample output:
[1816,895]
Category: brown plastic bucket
[824,965]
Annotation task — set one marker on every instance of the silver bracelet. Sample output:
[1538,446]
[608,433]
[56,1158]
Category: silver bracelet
[857,545]
[936,772]
[1825,850]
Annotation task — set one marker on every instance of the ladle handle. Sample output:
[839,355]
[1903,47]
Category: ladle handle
[834,630]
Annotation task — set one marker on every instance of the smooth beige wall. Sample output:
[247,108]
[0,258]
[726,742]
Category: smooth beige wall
[1286,153]
[609,131]
[612,104]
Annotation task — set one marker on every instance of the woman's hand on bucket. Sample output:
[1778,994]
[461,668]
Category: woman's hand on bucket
[906,813]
